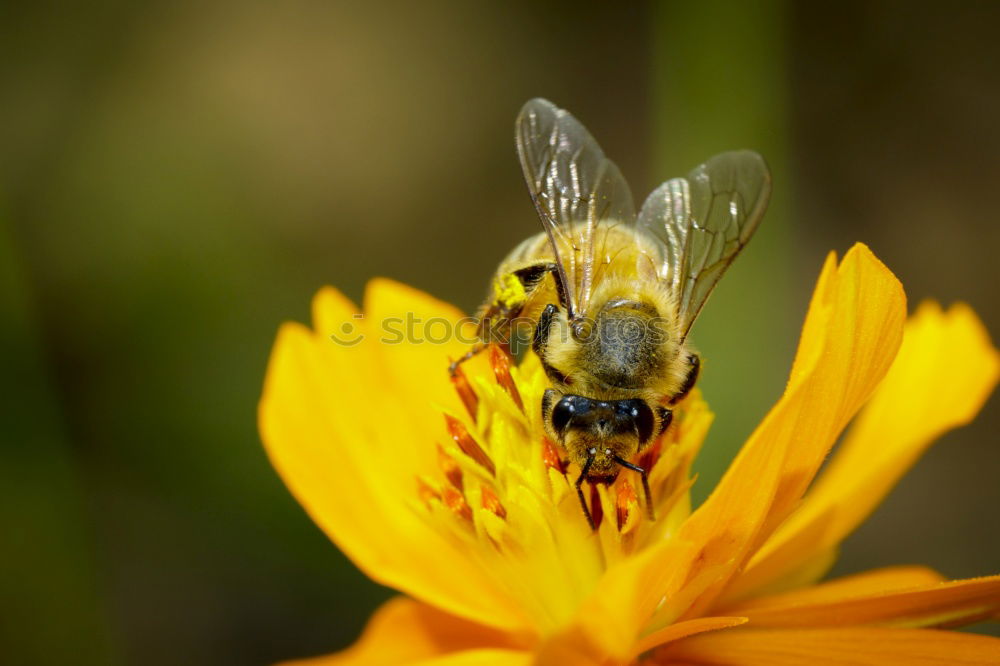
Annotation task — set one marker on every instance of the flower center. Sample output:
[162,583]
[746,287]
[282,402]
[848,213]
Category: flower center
[507,496]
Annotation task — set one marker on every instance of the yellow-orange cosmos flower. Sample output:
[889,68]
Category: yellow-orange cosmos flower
[455,498]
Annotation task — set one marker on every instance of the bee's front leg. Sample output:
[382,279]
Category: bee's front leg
[540,343]
[579,488]
[475,349]
[694,367]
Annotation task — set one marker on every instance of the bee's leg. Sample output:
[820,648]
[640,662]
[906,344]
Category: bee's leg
[476,348]
[645,484]
[666,418]
[579,488]
[541,340]
[694,368]
[548,398]
[493,320]
[511,292]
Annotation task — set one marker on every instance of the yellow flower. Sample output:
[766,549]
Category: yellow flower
[452,495]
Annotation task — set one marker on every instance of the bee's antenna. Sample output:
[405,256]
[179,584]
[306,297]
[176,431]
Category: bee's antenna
[645,483]
[579,488]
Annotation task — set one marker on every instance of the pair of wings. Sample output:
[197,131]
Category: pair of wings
[697,224]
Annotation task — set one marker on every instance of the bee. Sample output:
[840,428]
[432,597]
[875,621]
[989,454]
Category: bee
[612,295]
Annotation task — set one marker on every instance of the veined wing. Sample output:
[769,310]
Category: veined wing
[575,189]
[703,221]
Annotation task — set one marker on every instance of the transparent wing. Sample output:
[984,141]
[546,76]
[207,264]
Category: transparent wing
[575,188]
[703,221]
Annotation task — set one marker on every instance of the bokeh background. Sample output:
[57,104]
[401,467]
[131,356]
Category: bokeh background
[177,178]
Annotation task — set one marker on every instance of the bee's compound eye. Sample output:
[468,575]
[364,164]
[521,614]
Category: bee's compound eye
[627,409]
[564,411]
[640,415]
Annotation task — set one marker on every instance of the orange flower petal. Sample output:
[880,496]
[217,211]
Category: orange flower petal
[851,334]
[945,370]
[607,623]
[580,645]
[404,631]
[865,313]
[853,646]
[933,604]
[675,632]
[804,575]
[888,579]
[340,456]
[483,657]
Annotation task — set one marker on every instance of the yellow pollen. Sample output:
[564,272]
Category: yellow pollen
[509,291]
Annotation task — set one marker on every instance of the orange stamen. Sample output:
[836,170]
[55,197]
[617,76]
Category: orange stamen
[455,501]
[626,500]
[501,368]
[550,454]
[451,470]
[492,503]
[468,445]
[426,492]
[465,392]
[596,508]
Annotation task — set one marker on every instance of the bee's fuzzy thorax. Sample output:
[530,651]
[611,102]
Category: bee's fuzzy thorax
[632,346]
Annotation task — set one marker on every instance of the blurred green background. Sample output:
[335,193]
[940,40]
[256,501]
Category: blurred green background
[177,178]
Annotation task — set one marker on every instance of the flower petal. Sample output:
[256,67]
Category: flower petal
[416,340]
[887,579]
[676,632]
[931,604]
[945,370]
[866,311]
[857,646]
[608,622]
[323,423]
[852,332]
[404,631]
[482,657]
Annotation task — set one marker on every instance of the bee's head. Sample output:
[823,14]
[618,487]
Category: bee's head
[601,429]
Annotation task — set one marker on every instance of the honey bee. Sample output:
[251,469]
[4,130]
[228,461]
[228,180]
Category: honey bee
[612,295]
